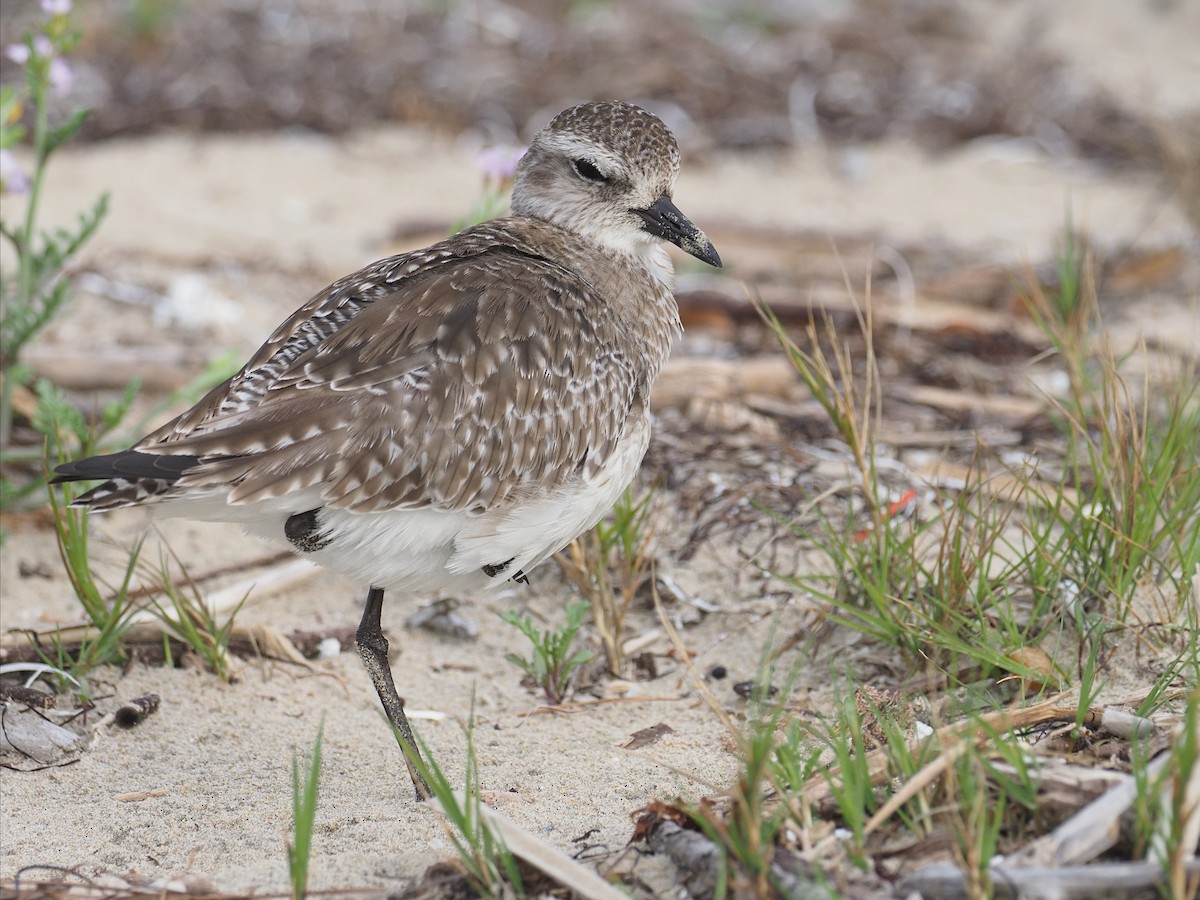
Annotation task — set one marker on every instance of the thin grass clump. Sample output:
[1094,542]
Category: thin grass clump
[611,565]
[1000,600]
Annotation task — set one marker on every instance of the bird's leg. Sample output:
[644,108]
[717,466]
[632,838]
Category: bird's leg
[373,648]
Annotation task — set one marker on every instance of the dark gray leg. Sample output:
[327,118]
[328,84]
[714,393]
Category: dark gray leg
[373,648]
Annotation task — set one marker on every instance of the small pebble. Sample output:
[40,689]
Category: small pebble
[752,691]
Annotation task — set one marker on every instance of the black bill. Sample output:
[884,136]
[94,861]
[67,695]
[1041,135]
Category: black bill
[663,219]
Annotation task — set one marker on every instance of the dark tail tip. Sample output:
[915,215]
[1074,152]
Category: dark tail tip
[128,464]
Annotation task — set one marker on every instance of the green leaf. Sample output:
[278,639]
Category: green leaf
[55,414]
[578,658]
[112,413]
[304,813]
[64,132]
[519,661]
[10,135]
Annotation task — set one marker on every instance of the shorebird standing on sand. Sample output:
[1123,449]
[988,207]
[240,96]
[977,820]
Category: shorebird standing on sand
[447,419]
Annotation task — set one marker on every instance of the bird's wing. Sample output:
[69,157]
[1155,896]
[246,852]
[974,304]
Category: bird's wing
[457,386]
[311,324]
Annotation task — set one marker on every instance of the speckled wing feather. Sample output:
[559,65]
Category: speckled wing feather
[449,378]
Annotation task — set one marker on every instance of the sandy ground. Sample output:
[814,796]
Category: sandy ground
[237,231]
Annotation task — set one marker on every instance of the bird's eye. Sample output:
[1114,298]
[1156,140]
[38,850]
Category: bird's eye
[587,170]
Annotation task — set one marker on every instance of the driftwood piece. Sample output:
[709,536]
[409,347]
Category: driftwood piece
[959,438]
[1089,832]
[699,859]
[1012,409]
[30,696]
[146,640]
[1125,880]
[281,577]
[919,311]
[1064,789]
[1001,485]
[89,370]
[37,741]
[691,852]
[685,378]
[203,576]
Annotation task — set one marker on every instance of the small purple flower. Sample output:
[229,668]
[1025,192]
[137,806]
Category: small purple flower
[42,46]
[499,163]
[56,7]
[61,75]
[18,53]
[12,177]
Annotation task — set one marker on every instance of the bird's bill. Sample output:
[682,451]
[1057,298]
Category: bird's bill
[663,219]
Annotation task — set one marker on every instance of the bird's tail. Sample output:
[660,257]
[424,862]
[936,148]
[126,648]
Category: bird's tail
[131,477]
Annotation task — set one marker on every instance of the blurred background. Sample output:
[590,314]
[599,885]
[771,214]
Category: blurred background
[937,153]
[1091,80]
[1012,187]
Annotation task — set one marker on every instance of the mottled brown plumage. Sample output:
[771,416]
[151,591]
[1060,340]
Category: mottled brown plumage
[450,417]
[502,368]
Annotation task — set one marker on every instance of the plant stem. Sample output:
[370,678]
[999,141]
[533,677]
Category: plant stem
[37,87]
[6,392]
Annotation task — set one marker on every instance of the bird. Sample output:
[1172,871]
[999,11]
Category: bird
[448,418]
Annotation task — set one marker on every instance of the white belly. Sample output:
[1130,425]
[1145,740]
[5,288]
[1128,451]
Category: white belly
[430,550]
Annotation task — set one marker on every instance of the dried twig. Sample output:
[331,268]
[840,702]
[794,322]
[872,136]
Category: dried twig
[945,881]
[582,880]
[135,711]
